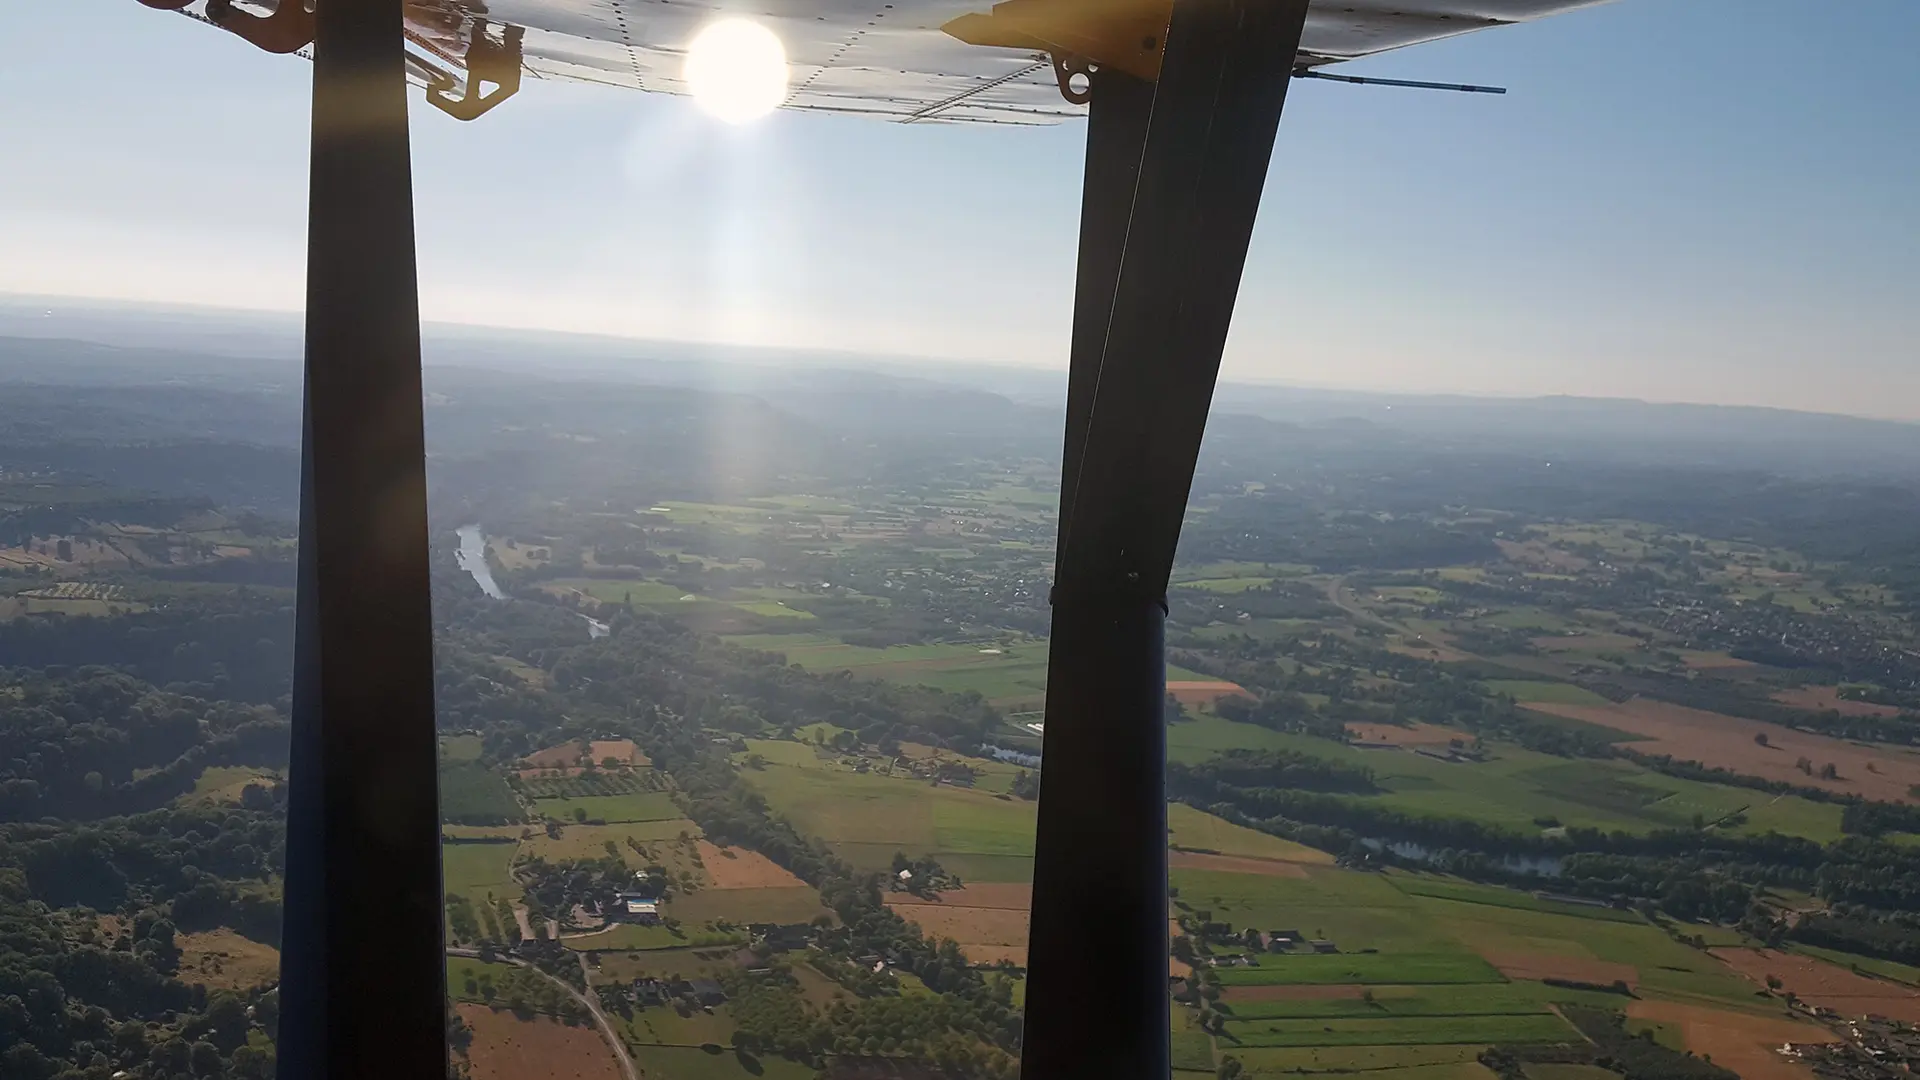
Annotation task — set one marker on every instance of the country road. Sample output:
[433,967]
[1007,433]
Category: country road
[627,1066]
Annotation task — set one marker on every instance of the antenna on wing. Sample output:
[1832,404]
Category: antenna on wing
[1362,80]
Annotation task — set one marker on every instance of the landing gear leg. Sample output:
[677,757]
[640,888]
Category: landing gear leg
[1174,176]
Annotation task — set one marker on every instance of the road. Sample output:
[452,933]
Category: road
[627,1067]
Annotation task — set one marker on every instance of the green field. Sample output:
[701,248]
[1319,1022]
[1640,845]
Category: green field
[1885,969]
[477,869]
[630,937]
[1554,692]
[461,747]
[1467,892]
[590,841]
[1007,673]
[472,794]
[1313,969]
[1521,998]
[1374,1061]
[895,813]
[613,809]
[1519,789]
[1196,830]
[1403,1031]
[780,904]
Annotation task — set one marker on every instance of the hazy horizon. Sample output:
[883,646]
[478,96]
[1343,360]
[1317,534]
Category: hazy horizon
[1699,230]
[600,354]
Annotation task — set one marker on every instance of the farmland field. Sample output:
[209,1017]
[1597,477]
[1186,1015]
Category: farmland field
[613,809]
[1728,742]
[477,869]
[1200,831]
[697,1063]
[590,841]
[1518,788]
[1402,1030]
[1363,968]
[1820,983]
[506,1047]
[471,794]
[767,904]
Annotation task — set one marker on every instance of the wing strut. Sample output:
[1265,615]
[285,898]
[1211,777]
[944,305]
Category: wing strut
[1173,180]
[362,976]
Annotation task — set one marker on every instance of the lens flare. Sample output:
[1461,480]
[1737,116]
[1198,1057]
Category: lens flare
[737,70]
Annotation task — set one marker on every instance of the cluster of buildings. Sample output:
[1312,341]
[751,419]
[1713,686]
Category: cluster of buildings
[1878,1048]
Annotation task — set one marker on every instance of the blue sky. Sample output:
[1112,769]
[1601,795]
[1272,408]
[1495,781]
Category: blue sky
[1693,200]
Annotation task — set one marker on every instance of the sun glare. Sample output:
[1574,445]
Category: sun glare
[737,70]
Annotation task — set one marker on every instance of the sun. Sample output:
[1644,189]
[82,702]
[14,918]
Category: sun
[737,70]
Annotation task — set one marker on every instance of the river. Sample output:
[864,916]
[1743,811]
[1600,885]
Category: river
[472,558]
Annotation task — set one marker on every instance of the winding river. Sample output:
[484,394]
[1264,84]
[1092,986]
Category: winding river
[472,557]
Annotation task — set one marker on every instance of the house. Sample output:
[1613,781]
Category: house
[649,992]
[707,992]
[636,907]
[1324,946]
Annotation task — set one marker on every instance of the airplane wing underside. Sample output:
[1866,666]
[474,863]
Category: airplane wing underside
[909,60]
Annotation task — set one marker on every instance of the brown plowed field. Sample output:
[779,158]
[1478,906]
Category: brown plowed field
[988,921]
[1822,698]
[621,750]
[1234,864]
[1201,693]
[738,868]
[1737,1041]
[1727,742]
[1417,735]
[1821,983]
[1532,965]
[506,1047]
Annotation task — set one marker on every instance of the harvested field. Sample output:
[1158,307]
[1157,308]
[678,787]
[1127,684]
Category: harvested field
[223,960]
[1821,983]
[1525,965]
[779,904]
[1234,864]
[1011,954]
[986,934]
[1823,698]
[1394,735]
[557,757]
[1728,742]
[1203,693]
[1331,992]
[738,868]
[506,1047]
[622,750]
[1704,660]
[1739,1041]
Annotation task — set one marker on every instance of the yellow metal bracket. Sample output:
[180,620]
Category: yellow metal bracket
[1126,34]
